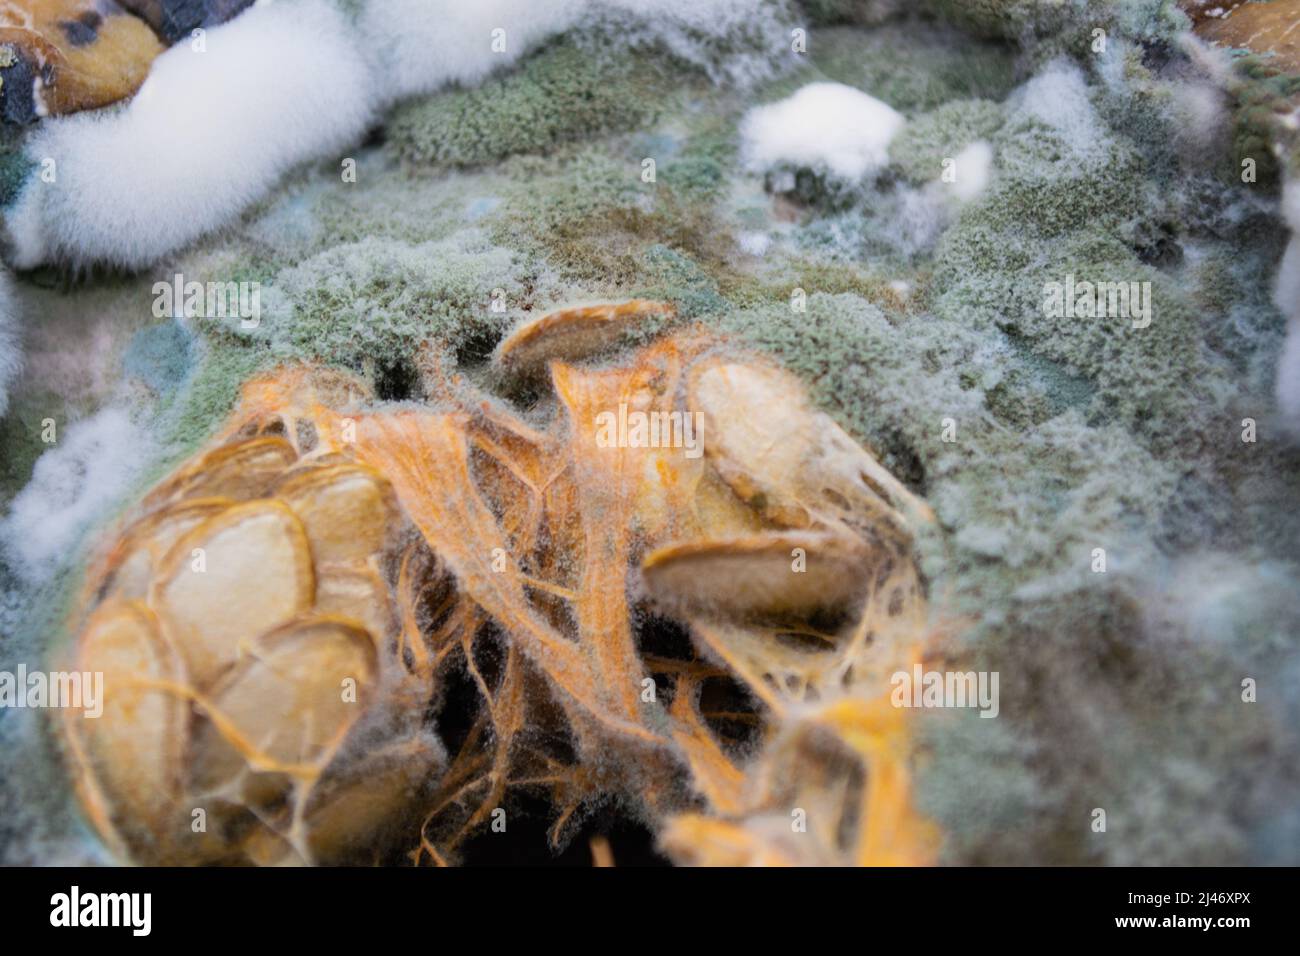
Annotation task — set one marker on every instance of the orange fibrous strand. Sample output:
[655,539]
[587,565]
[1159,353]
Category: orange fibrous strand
[522,551]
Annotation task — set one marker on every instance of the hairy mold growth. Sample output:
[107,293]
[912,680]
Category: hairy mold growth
[832,129]
[71,486]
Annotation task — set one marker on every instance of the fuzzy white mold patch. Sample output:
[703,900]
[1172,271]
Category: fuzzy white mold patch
[732,40]
[473,40]
[421,45]
[1058,99]
[89,469]
[972,169]
[828,127]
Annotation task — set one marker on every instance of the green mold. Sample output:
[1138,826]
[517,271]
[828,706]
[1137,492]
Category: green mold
[560,94]
[370,305]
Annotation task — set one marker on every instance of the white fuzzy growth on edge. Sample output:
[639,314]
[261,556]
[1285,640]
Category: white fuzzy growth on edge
[422,45]
[419,46]
[972,168]
[827,127]
[1286,295]
[1059,99]
[11,356]
[207,134]
[93,464]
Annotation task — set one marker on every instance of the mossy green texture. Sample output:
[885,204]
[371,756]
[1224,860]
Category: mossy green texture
[859,12]
[1071,21]
[675,277]
[1009,19]
[596,217]
[15,168]
[896,381]
[913,67]
[225,363]
[1263,98]
[920,148]
[1065,206]
[20,437]
[558,95]
[373,303]
[808,273]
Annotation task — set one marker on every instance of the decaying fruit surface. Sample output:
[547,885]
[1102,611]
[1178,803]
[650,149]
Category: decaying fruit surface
[280,621]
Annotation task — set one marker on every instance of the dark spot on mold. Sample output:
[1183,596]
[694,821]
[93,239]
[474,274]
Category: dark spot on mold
[174,20]
[730,711]
[525,841]
[454,710]
[396,381]
[904,462]
[84,30]
[883,571]
[1159,248]
[1156,54]
[850,819]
